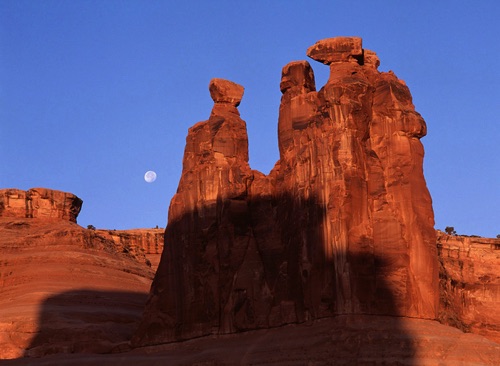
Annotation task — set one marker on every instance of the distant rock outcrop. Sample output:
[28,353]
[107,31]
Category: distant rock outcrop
[343,224]
[144,244]
[39,203]
[469,281]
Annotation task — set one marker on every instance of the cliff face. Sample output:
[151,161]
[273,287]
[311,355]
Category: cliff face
[52,205]
[470,284]
[144,244]
[63,288]
[39,203]
[342,225]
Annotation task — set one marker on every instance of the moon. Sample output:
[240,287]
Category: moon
[150,176]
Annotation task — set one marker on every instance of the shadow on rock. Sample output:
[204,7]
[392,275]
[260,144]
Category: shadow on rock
[86,321]
[240,265]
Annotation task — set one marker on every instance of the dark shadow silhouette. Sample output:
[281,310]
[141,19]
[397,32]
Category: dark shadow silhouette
[86,321]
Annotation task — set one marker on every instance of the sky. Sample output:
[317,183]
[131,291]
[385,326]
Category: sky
[95,93]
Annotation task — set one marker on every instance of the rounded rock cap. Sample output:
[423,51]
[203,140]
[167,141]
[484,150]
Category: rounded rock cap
[337,49]
[225,91]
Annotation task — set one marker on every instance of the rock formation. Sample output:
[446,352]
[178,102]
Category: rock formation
[343,224]
[338,238]
[469,281]
[144,244]
[39,203]
[63,288]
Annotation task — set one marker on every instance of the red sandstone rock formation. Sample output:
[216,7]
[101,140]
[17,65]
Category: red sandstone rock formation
[342,225]
[470,284]
[144,244]
[213,189]
[39,203]
[63,288]
[68,290]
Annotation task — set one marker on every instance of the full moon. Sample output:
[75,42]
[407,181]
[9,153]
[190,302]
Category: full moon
[150,176]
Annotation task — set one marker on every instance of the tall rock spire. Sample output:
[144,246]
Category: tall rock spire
[342,225]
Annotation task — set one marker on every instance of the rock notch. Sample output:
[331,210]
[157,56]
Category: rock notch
[343,224]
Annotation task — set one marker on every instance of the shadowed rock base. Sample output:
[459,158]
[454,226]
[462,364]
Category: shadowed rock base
[65,289]
[343,340]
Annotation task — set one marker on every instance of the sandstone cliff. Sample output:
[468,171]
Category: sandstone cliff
[342,225]
[470,284]
[144,244]
[63,288]
[39,203]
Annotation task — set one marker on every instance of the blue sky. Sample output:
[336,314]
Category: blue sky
[95,93]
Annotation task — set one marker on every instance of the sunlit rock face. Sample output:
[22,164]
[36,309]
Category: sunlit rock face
[39,203]
[470,284]
[145,245]
[343,224]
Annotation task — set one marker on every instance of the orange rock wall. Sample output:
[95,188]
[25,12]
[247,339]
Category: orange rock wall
[470,284]
[64,289]
[39,203]
[140,242]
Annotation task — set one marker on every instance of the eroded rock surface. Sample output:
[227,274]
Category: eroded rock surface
[338,49]
[145,245]
[341,230]
[470,284]
[63,288]
[39,203]
[343,224]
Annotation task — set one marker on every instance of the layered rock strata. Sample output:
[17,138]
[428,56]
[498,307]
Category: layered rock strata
[343,224]
[39,203]
[63,288]
[144,244]
[469,281]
